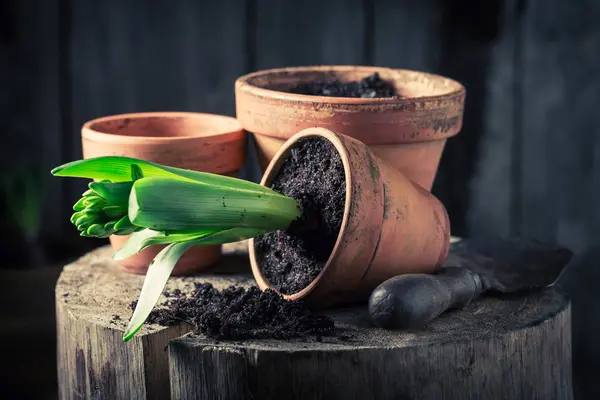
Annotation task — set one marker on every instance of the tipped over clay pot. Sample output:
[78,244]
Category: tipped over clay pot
[390,226]
[409,132]
[195,141]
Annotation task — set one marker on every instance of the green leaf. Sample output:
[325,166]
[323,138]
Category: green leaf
[127,231]
[136,172]
[136,243]
[161,267]
[156,278]
[116,193]
[123,223]
[118,169]
[231,235]
[147,237]
[173,205]
[110,226]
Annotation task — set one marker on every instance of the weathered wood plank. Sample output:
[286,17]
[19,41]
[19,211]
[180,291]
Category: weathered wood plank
[313,32]
[561,156]
[468,29]
[296,33]
[126,57]
[560,82]
[407,34]
[492,192]
[30,116]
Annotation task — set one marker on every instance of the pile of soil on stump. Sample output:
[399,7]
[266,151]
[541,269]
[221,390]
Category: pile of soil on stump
[369,87]
[236,313]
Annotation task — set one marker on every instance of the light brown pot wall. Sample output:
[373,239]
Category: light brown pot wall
[408,133]
[200,142]
[391,226]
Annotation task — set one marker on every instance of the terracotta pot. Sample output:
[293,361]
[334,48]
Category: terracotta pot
[201,142]
[408,133]
[391,226]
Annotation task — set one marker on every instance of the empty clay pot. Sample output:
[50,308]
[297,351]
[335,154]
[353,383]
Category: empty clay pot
[408,132]
[200,142]
[391,226]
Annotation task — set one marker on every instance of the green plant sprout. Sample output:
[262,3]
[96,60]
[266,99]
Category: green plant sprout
[179,208]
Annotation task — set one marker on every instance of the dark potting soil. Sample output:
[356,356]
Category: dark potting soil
[236,313]
[313,174]
[369,87]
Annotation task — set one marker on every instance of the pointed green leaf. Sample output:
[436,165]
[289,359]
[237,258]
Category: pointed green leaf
[136,172]
[147,237]
[118,169]
[126,231]
[231,235]
[136,243]
[109,226]
[156,278]
[123,223]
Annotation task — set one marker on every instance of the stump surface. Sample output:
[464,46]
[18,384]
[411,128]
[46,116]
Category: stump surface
[93,297]
[511,347]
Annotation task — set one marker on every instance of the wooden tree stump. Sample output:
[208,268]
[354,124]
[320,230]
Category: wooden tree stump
[510,348]
[516,347]
[93,297]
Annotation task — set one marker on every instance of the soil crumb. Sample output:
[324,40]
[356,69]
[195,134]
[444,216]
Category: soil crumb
[236,313]
[314,175]
[369,87]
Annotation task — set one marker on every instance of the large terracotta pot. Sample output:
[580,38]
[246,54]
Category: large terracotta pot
[391,226]
[201,142]
[409,133]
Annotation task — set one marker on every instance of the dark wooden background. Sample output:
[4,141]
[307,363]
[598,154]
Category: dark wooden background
[526,163]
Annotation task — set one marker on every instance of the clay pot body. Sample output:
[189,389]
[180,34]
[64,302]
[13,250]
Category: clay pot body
[391,226]
[201,142]
[409,133]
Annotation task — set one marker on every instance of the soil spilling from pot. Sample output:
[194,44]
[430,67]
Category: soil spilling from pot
[236,313]
[369,87]
[313,174]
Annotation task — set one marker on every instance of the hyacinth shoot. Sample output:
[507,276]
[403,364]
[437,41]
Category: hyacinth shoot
[102,210]
[158,204]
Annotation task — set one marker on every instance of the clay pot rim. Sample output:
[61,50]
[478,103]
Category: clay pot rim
[272,169]
[245,84]
[232,129]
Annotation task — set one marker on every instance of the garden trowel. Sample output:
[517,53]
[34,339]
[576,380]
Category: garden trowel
[474,266]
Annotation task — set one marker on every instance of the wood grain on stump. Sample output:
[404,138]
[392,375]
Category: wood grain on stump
[514,347]
[92,310]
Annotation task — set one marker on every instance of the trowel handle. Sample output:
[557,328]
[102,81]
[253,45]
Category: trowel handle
[413,300]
